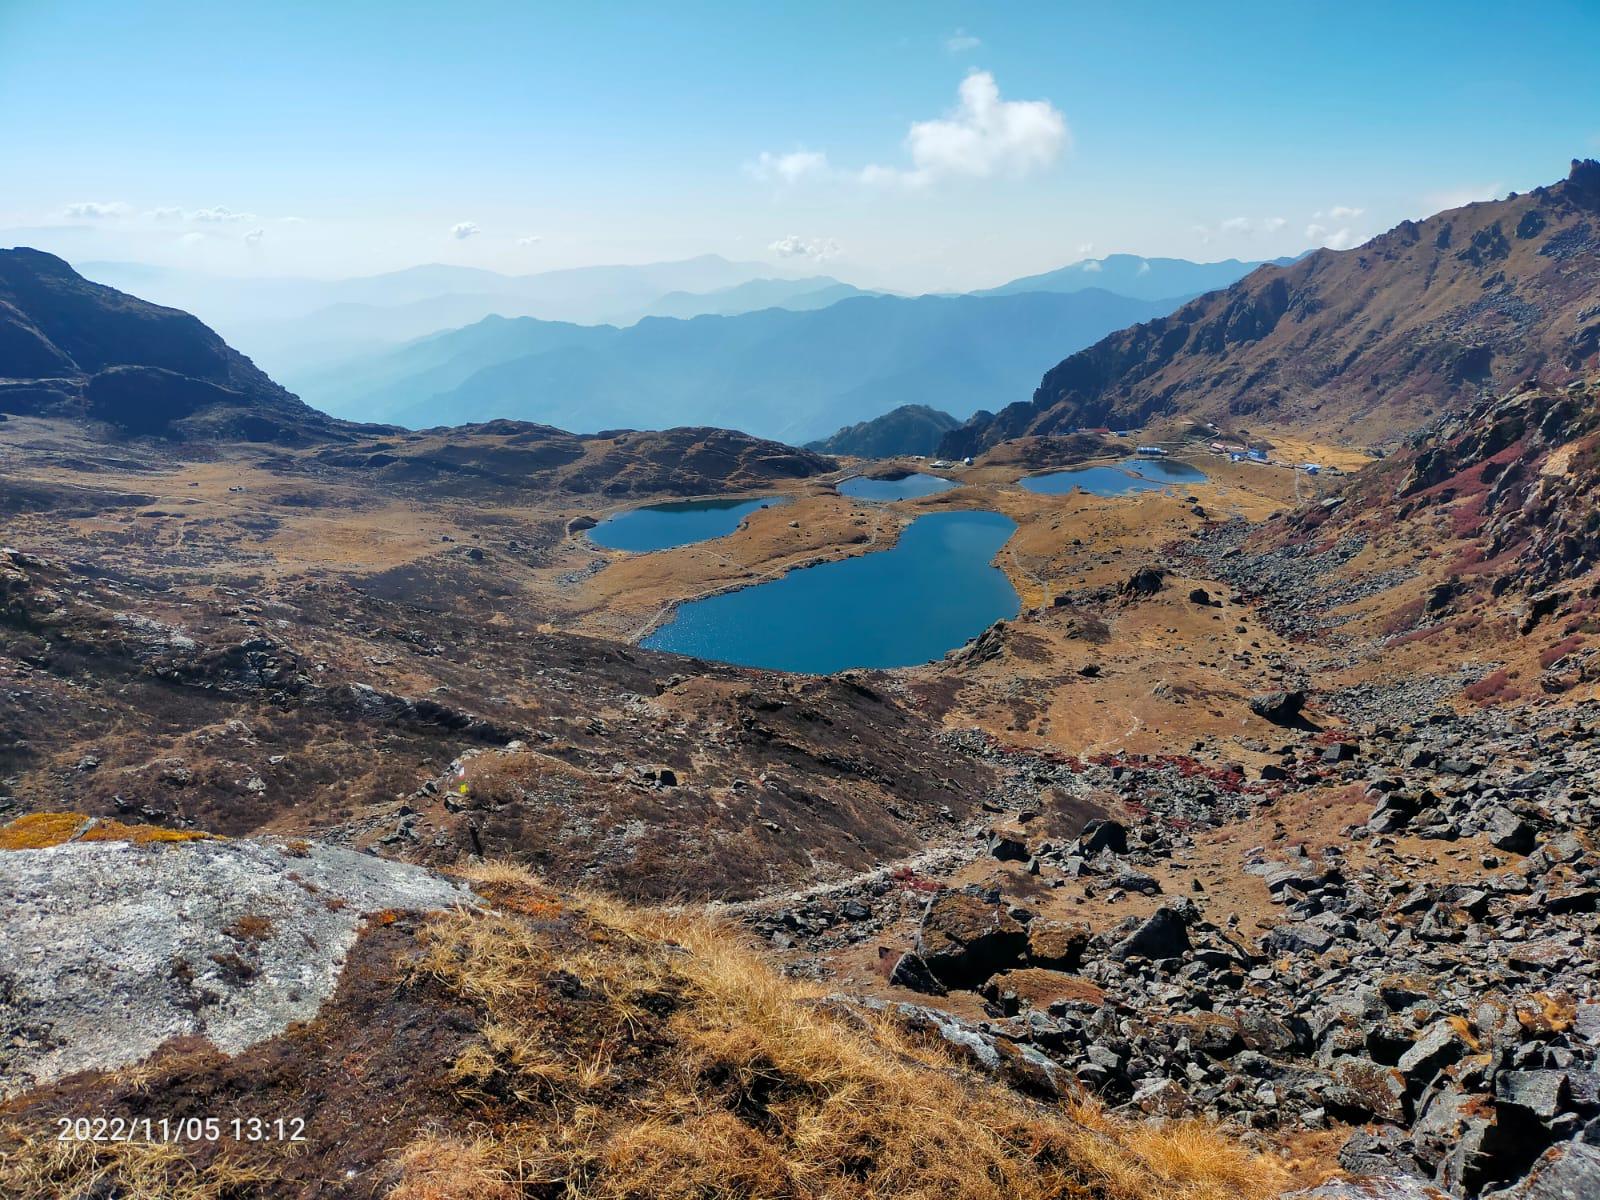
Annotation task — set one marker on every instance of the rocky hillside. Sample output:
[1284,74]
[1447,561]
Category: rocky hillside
[1517,478]
[1365,344]
[909,429]
[488,458]
[70,347]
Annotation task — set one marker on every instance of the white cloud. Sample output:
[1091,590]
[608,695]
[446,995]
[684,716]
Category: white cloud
[1273,224]
[253,238]
[1092,266]
[1340,212]
[167,214]
[961,41]
[1144,267]
[795,246]
[982,137]
[219,215]
[529,239]
[789,168]
[1085,249]
[1333,239]
[1236,225]
[96,210]
[462,230]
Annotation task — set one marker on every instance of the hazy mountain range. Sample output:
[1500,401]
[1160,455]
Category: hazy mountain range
[702,341]
[288,325]
[794,376]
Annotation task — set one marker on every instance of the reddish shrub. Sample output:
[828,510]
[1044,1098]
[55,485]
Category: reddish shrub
[1560,650]
[1494,688]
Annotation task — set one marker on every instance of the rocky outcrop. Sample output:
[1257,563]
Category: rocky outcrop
[909,429]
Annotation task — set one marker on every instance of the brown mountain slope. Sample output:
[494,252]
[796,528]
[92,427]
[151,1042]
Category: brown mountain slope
[75,348]
[1360,344]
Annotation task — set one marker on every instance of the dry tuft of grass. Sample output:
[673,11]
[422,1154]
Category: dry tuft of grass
[635,1054]
[43,1168]
[39,831]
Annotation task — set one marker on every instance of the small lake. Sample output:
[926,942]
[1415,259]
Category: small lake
[908,487]
[678,523]
[1132,475]
[929,593]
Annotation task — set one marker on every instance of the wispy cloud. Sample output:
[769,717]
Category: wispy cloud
[789,168]
[983,136]
[1238,227]
[1343,212]
[253,238]
[96,210]
[200,216]
[462,230]
[795,246]
[961,41]
[218,216]
[1333,239]
[529,239]
[1466,194]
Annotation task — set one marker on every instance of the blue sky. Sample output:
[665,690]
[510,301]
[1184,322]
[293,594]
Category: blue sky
[350,138]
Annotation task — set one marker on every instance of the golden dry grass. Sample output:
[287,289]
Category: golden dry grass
[42,1168]
[37,831]
[657,1058]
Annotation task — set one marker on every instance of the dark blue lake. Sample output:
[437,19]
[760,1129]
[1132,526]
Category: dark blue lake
[679,523]
[934,589]
[1132,475]
[910,487]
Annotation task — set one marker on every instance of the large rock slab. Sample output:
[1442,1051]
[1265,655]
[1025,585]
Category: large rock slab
[111,949]
[964,940]
[1570,1171]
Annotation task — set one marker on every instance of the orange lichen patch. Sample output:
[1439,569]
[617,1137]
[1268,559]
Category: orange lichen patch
[1543,1013]
[1463,1029]
[38,831]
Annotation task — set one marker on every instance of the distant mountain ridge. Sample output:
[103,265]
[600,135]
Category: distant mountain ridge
[1363,344]
[1136,276]
[794,376]
[817,291]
